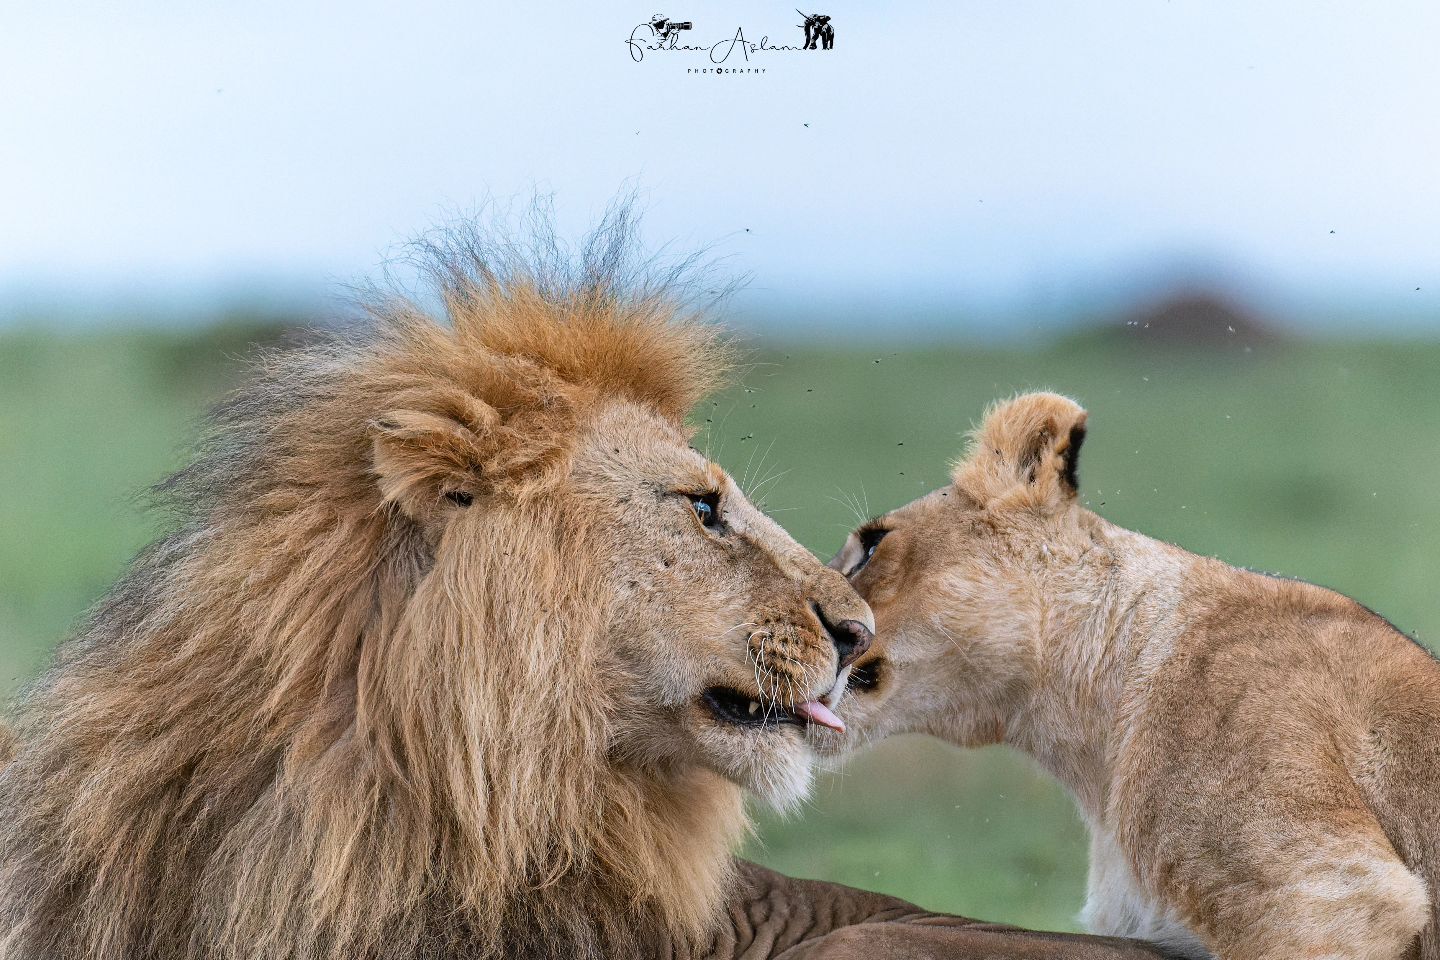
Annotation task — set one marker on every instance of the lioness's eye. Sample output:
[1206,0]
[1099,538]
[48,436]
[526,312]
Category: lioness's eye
[870,538]
[707,509]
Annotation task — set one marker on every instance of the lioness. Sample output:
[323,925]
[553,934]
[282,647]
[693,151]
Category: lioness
[1257,758]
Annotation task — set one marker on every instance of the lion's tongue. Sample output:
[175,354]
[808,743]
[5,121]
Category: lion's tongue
[817,712]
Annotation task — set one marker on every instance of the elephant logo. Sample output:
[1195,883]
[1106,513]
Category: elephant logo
[819,31]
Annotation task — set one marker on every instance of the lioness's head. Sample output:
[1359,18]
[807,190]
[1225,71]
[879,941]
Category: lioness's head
[957,579]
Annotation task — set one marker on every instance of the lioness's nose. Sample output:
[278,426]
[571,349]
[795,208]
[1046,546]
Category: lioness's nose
[851,637]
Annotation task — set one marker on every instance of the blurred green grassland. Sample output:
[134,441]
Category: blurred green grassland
[1317,460]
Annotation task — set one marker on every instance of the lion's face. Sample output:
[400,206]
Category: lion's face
[733,642]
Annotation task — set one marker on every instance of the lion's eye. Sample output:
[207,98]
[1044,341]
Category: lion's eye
[707,509]
[870,538]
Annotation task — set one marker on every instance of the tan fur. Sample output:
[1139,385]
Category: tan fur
[340,714]
[1257,757]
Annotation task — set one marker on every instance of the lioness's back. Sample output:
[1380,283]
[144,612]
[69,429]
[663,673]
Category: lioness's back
[1302,702]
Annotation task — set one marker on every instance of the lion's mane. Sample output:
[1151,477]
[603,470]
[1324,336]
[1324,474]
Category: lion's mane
[269,741]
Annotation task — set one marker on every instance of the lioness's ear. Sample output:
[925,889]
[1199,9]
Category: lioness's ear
[433,458]
[1026,453]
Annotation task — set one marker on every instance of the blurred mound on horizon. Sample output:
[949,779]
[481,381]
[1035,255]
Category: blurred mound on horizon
[1197,317]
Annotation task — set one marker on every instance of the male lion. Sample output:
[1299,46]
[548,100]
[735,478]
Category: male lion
[1257,757]
[460,651]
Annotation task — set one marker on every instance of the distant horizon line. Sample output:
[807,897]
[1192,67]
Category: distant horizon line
[1338,307]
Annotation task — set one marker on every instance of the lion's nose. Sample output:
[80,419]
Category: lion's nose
[851,637]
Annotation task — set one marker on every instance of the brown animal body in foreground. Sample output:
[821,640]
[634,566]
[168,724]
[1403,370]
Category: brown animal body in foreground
[1257,758]
[460,651]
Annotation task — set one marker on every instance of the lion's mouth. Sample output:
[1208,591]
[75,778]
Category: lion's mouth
[730,706]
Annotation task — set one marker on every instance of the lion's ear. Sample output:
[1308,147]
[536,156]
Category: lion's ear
[433,458]
[1026,453]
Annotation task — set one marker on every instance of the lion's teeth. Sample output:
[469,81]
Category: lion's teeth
[754,708]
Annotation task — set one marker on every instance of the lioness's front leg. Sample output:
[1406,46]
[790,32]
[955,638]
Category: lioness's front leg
[774,916]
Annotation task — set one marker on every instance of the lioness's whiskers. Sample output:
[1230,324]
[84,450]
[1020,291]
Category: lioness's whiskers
[853,506]
[936,622]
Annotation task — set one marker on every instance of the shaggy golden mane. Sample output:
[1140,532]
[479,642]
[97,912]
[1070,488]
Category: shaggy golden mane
[264,743]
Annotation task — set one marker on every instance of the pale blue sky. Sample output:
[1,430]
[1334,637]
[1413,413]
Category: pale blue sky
[998,152]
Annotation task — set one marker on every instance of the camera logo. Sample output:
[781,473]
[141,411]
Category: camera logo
[664,28]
